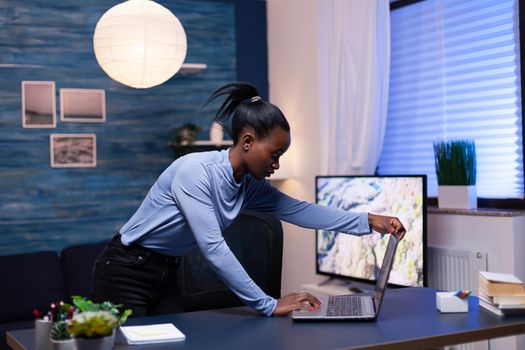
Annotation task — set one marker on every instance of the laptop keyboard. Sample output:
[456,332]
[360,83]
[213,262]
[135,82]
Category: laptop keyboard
[344,306]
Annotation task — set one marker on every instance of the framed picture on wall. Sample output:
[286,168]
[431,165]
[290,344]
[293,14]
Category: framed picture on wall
[83,105]
[73,150]
[38,104]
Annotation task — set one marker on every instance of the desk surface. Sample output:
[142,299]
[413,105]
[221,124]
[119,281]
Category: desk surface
[408,320]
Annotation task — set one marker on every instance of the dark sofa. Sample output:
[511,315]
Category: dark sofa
[34,280]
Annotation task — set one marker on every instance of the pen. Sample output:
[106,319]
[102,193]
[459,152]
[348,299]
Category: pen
[53,312]
[61,311]
[37,314]
[462,293]
[70,313]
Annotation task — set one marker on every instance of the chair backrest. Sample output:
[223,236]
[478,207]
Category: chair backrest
[29,281]
[77,265]
[257,242]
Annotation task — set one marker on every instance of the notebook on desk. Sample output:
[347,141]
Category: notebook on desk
[354,306]
[152,334]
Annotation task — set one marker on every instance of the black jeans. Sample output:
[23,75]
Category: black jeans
[141,279]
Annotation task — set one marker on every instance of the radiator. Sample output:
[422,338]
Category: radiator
[453,269]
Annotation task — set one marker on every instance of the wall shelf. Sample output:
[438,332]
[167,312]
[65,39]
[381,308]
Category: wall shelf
[200,146]
[192,68]
[210,143]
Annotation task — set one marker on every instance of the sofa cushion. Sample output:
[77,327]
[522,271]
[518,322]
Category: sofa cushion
[77,266]
[29,281]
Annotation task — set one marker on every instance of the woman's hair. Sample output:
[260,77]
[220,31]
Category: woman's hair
[243,108]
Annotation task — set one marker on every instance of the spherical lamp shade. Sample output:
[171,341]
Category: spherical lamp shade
[140,43]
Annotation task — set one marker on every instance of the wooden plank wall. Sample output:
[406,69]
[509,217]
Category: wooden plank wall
[44,208]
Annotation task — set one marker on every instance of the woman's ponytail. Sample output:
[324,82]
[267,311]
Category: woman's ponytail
[243,108]
[235,93]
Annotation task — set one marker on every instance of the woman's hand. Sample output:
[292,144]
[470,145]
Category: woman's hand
[296,301]
[387,224]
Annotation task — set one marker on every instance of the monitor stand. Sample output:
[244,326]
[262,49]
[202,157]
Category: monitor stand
[351,286]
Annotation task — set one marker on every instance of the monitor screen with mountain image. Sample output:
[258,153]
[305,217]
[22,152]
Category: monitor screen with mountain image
[360,257]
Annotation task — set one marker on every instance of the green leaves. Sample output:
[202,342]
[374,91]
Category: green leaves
[455,162]
[59,331]
[124,316]
[85,305]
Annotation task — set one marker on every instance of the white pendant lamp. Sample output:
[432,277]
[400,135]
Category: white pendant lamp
[140,43]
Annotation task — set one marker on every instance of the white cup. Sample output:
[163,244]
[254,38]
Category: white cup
[216,133]
[43,334]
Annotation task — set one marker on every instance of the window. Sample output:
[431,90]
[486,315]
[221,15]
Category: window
[455,74]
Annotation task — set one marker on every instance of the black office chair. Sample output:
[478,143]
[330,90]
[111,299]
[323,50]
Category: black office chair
[257,242]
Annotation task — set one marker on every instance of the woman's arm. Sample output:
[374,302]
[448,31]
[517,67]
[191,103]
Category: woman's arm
[191,190]
[261,196]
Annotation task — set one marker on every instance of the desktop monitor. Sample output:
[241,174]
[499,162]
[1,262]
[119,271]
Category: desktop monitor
[360,257]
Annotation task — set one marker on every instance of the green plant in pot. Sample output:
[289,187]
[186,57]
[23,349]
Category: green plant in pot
[182,139]
[94,325]
[456,173]
[61,339]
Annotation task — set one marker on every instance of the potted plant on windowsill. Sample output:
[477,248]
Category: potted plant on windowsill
[94,325]
[456,174]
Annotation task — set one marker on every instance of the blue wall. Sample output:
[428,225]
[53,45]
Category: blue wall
[48,209]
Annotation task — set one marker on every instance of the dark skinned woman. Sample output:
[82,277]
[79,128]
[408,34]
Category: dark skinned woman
[201,194]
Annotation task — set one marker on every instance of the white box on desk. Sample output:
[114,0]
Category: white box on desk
[447,302]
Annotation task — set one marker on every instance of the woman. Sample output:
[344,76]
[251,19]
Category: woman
[201,194]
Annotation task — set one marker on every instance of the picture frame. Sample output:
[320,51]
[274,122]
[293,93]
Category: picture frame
[83,105]
[38,104]
[73,150]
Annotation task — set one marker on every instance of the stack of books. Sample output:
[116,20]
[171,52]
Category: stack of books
[501,293]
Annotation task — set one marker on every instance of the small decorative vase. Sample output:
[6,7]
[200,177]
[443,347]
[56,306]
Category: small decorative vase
[43,334]
[457,197]
[216,133]
[68,344]
[105,343]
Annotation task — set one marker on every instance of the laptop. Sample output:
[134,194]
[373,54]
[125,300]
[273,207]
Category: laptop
[350,307]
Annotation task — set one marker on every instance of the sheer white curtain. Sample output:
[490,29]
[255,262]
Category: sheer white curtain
[354,61]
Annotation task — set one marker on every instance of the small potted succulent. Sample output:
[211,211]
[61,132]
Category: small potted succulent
[184,135]
[182,139]
[61,339]
[94,325]
[456,174]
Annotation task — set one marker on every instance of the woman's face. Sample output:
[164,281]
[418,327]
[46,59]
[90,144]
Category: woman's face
[261,156]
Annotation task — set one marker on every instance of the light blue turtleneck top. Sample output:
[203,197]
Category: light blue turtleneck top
[197,197]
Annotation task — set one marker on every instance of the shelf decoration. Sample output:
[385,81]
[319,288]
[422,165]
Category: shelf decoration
[38,104]
[216,133]
[83,105]
[73,150]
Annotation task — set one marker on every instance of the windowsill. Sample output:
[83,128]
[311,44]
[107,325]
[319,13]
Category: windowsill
[477,212]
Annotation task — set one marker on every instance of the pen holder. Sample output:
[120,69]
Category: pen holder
[43,334]
[447,302]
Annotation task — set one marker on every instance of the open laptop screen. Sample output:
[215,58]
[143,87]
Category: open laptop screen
[386,266]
